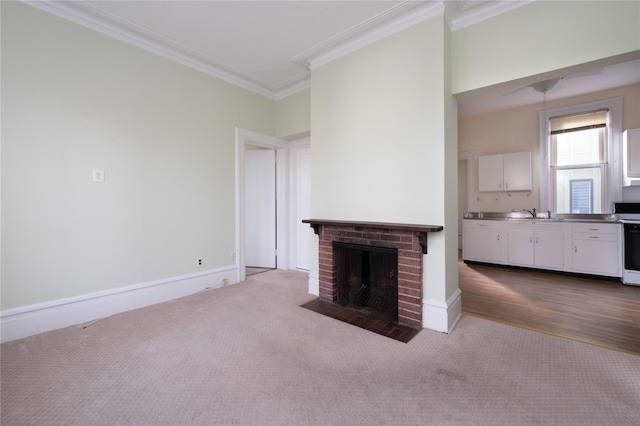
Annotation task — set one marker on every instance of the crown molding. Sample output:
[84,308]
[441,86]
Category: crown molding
[391,21]
[464,13]
[459,13]
[94,18]
[293,88]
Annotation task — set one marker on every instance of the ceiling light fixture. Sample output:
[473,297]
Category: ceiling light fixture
[546,85]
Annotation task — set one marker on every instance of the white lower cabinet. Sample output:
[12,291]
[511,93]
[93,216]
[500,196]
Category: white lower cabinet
[535,245]
[596,249]
[482,240]
[549,248]
[587,248]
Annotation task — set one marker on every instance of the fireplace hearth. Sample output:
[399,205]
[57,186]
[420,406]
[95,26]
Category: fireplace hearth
[374,267]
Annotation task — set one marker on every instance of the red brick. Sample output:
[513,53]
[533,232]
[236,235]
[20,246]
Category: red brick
[410,315]
[411,254]
[413,292]
[408,300]
[371,236]
[410,269]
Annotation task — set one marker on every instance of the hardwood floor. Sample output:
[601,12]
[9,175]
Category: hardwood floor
[597,311]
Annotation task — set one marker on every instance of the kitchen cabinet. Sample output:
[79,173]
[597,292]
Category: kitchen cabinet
[631,157]
[593,248]
[505,172]
[535,244]
[482,240]
[596,249]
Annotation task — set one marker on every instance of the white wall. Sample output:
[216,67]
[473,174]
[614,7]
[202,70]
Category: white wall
[74,100]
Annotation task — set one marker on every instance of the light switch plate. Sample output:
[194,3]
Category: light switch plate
[98,176]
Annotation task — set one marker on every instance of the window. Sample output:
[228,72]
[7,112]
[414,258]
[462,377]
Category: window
[578,155]
[581,195]
[580,152]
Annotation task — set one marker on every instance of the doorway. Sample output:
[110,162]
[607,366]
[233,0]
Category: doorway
[245,138]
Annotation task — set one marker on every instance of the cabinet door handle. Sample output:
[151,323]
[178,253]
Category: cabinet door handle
[498,237]
[575,249]
[530,240]
[595,237]
[506,185]
[594,229]
[500,185]
[536,240]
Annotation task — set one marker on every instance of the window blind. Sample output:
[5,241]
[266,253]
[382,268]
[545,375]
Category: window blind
[574,123]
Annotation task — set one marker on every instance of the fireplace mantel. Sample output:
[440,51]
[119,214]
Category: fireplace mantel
[421,230]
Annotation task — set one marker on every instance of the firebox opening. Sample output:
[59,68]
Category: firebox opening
[367,278]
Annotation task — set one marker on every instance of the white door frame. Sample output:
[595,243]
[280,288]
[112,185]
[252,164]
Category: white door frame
[244,138]
[472,194]
[470,158]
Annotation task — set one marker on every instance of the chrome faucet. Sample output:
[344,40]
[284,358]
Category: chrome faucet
[532,213]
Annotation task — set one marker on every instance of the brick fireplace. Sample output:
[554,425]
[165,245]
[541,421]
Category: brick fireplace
[410,242]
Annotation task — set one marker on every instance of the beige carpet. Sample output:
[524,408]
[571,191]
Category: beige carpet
[248,354]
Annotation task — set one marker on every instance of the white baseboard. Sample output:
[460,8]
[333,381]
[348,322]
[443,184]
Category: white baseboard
[34,319]
[314,284]
[442,316]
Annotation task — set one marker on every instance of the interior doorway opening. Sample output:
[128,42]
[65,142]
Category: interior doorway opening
[244,139]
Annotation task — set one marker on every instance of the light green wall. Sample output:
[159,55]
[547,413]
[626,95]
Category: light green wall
[74,100]
[372,145]
[540,37]
[379,132]
[450,105]
[293,115]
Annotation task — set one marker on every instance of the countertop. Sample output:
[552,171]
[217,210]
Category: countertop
[542,217]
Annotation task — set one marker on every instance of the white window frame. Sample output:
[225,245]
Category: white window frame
[613,179]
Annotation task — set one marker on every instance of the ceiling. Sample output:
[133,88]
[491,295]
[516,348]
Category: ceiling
[603,75]
[269,47]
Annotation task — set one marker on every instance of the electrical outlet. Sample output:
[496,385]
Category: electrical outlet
[496,199]
[199,262]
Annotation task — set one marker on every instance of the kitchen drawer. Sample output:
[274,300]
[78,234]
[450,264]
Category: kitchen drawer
[596,228]
[484,224]
[597,236]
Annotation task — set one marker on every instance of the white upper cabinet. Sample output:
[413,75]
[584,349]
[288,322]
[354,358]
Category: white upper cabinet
[505,172]
[490,169]
[631,157]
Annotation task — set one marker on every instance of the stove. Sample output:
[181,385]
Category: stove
[629,215]
[627,212]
